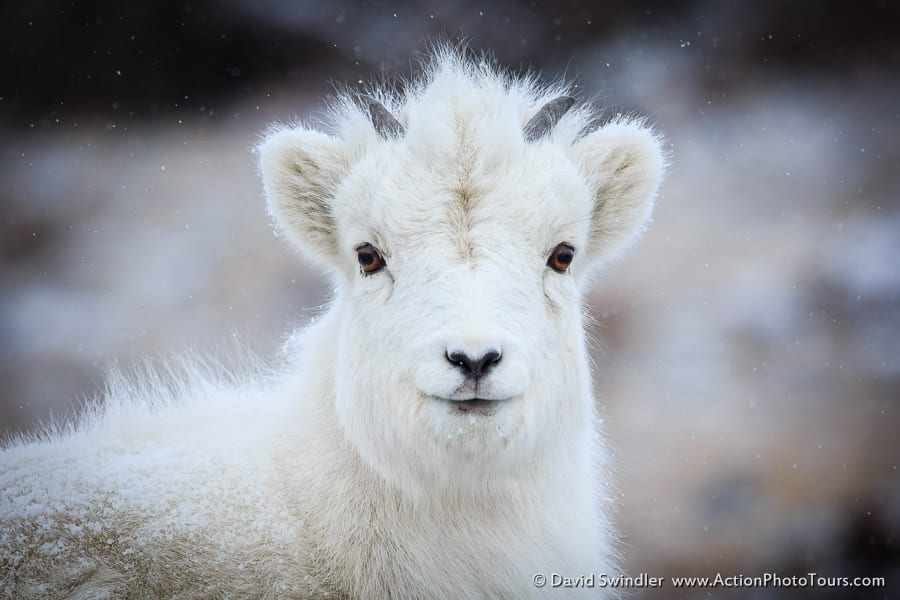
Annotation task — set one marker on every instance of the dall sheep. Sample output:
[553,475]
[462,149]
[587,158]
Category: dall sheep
[433,435]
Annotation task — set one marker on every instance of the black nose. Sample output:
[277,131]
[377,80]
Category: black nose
[474,368]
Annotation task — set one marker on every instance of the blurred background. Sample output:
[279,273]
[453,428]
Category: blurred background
[747,350]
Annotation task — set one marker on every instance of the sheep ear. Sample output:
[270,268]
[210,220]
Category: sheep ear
[300,170]
[624,164]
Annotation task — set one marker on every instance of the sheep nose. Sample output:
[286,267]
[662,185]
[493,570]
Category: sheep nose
[474,368]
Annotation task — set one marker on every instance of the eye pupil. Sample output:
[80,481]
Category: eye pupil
[561,258]
[369,259]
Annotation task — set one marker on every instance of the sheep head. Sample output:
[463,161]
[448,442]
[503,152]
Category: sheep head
[461,222]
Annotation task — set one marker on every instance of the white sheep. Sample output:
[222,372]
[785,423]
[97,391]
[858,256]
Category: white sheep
[432,436]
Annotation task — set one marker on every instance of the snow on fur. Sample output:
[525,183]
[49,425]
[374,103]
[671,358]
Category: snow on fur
[371,465]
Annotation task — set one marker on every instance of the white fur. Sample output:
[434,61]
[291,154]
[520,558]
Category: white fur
[351,471]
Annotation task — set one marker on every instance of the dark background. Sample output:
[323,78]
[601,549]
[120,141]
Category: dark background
[63,59]
[747,350]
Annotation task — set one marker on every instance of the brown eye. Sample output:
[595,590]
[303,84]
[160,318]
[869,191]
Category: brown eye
[561,258]
[369,258]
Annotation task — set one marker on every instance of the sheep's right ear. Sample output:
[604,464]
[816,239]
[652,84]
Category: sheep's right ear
[301,169]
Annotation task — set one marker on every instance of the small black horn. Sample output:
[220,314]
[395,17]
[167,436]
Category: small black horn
[384,122]
[547,118]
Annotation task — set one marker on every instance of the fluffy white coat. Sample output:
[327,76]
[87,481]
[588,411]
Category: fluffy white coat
[369,465]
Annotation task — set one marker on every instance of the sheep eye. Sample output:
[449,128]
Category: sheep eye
[561,258]
[370,260]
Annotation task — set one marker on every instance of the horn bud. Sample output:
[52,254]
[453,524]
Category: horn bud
[546,119]
[384,122]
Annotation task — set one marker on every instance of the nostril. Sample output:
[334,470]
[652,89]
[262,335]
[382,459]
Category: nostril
[488,361]
[458,359]
[485,363]
[474,368]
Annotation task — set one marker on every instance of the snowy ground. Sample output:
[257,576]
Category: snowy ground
[747,350]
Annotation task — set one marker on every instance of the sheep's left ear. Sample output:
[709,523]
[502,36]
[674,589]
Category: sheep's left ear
[624,164]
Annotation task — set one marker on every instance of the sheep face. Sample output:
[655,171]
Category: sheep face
[459,248]
[462,337]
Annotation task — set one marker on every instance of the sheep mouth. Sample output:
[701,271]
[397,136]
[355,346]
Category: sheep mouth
[483,406]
